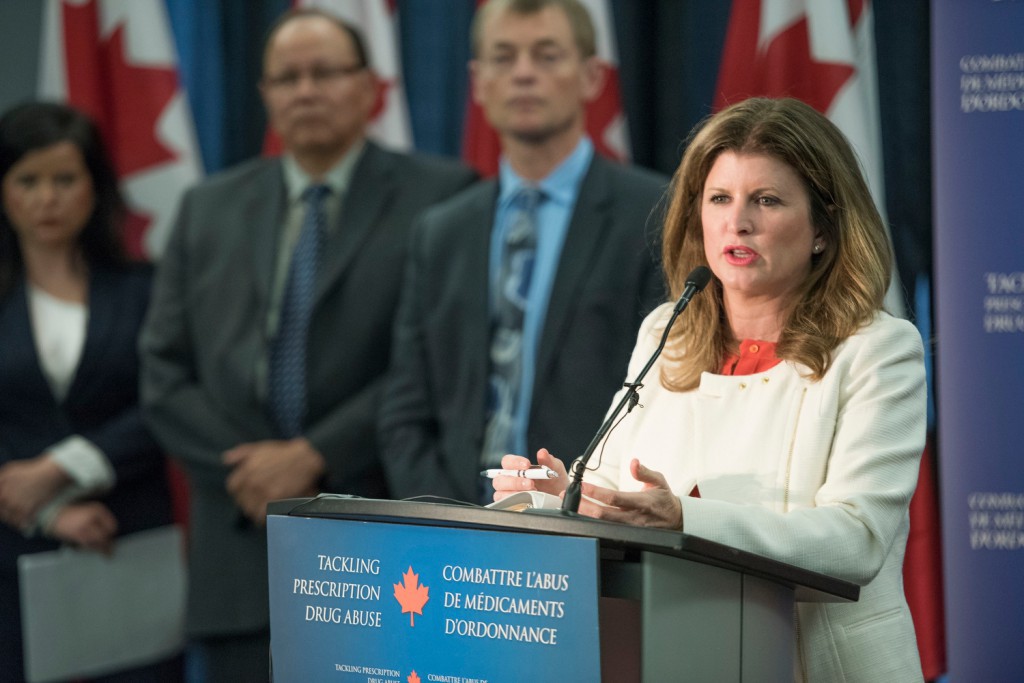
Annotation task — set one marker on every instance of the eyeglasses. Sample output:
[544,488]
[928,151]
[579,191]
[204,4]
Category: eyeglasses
[320,75]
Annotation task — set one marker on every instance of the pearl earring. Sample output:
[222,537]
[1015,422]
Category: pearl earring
[817,248]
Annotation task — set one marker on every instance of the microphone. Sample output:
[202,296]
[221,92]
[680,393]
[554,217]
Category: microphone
[696,281]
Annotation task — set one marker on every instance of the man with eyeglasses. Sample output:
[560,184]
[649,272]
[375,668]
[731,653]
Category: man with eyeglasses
[270,326]
[523,295]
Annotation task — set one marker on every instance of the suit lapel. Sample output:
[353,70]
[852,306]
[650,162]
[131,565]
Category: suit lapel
[262,217]
[467,309]
[20,358]
[477,240]
[100,330]
[587,229]
[368,193]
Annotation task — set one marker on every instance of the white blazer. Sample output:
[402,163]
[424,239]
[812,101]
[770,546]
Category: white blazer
[814,474]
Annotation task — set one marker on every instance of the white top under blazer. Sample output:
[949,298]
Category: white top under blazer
[814,474]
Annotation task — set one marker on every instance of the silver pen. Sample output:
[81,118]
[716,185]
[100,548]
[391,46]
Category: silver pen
[534,472]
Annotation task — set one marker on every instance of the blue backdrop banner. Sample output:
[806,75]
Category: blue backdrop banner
[364,602]
[978,107]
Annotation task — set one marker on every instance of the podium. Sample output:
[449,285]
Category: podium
[672,606]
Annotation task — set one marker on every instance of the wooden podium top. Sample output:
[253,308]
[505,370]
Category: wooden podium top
[616,540]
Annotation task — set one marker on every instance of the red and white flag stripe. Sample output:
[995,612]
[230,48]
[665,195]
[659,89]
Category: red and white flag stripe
[606,120]
[115,60]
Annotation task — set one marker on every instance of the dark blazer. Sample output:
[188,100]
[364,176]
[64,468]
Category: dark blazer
[101,405]
[207,329]
[433,415]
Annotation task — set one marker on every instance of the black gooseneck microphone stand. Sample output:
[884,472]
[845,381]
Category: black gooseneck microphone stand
[696,281]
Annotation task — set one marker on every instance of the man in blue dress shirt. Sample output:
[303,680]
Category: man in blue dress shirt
[522,295]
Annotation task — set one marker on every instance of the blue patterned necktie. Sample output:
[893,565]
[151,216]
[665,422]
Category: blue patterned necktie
[287,374]
[506,351]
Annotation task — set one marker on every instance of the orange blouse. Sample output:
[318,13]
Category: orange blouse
[754,356]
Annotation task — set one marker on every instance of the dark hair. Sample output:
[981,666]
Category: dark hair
[354,33]
[34,126]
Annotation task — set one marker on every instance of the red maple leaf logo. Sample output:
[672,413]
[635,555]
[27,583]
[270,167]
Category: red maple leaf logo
[413,678]
[785,68]
[411,595]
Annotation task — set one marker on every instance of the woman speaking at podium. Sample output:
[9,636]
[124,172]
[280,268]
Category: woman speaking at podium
[786,415]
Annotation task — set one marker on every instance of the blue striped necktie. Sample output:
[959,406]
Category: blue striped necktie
[506,350]
[287,373]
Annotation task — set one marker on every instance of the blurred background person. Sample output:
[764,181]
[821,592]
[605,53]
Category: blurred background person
[524,293]
[789,419]
[265,349]
[77,464]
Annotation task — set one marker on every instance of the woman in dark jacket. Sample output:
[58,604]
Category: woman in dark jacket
[77,466]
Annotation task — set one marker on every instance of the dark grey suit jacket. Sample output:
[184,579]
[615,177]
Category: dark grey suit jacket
[433,414]
[207,329]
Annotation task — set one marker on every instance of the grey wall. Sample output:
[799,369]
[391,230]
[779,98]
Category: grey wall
[19,49]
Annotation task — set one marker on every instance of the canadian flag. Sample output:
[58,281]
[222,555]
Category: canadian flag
[606,122]
[378,22]
[115,60]
[823,52]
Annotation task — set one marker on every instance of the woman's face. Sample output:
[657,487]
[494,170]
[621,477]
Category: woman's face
[758,236]
[48,196]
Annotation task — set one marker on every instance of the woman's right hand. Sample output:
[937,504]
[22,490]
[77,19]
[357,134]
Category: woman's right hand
[506,486]
[90,525]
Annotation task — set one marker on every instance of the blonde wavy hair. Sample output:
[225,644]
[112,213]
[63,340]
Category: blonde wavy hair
[847,281]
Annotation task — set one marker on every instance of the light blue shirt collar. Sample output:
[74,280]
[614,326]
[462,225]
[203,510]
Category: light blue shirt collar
[560,186]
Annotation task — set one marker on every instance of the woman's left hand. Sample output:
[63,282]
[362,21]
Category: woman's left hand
[654,506]
[90,525]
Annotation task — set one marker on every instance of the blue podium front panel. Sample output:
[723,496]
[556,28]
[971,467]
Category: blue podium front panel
[366,602]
